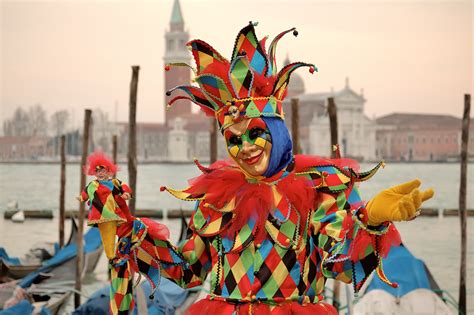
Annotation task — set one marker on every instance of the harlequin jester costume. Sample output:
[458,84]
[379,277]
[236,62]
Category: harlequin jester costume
[110,213]
[270,227]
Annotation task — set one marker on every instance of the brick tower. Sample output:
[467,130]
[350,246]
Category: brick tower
[175,51]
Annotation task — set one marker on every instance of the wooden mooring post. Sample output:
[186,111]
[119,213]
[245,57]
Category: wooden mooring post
[80,228]
[114,151]
[295,120]
[462,202]
[132,138]
[332,112]
[62,190]
[213,141]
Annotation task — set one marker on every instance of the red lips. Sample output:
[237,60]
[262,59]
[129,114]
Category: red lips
[254,159]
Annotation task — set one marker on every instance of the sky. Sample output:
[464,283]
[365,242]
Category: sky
[407,56]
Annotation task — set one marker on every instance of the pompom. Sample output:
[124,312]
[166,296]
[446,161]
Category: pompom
[167,68]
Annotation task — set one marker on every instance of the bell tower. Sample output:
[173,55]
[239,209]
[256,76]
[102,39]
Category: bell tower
[175,51]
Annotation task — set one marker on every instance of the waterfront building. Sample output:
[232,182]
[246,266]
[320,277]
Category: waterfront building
[420,137]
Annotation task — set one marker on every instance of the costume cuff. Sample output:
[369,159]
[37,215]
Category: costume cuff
[361,218]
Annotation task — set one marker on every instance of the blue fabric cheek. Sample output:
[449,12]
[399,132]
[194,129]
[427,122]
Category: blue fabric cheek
[282,146]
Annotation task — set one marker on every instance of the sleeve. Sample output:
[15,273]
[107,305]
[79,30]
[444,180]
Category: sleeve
[84,195]
[121,187]
[351,250]
[186,264]
[143,247]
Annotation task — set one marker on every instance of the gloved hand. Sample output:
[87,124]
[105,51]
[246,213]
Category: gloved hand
[108,230]
[398,203]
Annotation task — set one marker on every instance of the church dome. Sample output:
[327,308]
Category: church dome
[296,86]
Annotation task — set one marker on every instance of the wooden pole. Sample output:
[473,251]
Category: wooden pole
[80,228]
[332,112]
[62,190]
[462,202]
[132,138]
[295,125]
[213,141]
[114,150]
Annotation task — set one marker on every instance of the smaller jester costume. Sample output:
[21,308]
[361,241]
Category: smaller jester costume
[269,227]
[108,211]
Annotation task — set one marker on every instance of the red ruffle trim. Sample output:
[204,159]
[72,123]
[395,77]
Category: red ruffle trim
[223,181]
[382,245]
[223,308]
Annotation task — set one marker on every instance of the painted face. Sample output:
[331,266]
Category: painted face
[102,174]
[249,144]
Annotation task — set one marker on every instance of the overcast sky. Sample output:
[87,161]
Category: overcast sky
[408,56]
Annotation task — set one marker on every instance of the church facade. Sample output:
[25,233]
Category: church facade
[356,132]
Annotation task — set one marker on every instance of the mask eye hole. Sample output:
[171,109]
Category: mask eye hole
[235,140]
[255,133]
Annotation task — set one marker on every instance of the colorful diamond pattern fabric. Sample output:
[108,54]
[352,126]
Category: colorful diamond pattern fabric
[204,55]
[248,76]
[247,44]
[214,86]
[241,77]
[291,262]
[103,206]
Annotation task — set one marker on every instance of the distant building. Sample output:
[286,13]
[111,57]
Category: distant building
[184,135]
[420,137]
[24,148]
[356,131]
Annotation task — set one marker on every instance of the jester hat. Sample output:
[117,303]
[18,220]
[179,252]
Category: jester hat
[247,86]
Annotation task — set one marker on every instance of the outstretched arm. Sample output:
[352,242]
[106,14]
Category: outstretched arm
[352,238]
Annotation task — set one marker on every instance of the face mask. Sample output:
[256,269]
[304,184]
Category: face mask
[257,134]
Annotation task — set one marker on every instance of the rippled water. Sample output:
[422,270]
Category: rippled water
[436,241]
[37,186]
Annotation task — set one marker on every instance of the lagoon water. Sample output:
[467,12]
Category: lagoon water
[435,240]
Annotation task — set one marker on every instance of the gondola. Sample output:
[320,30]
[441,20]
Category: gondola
[417,292]
[50,286]
[17,268]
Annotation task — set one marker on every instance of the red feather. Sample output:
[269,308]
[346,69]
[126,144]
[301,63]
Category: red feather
[224,181]
[389,239]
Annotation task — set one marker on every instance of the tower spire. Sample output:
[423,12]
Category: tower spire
[177,21]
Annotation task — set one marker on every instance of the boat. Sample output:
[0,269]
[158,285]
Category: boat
[17,268]
[50,286]
[167,299]
[417,292]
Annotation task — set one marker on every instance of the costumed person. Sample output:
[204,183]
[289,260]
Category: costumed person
[269,227]
[106,197]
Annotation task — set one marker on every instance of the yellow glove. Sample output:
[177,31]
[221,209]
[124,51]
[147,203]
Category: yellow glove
[398,203]
[108,230]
